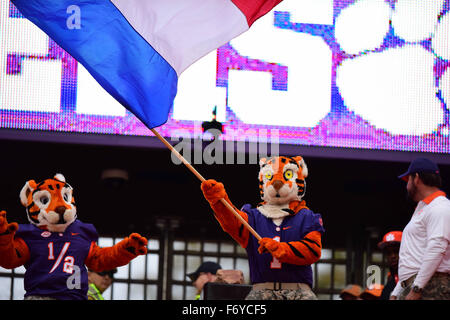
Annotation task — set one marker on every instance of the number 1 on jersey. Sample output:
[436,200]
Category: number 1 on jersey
[50,251]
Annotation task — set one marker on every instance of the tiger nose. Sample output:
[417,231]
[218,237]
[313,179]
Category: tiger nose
[60,210]
[277,184]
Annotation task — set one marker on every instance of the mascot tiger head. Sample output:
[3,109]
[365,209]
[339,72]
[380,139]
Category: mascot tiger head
[282,179]
[50,204]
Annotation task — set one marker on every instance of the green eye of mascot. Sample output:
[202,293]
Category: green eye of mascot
[56,247]
[280,263]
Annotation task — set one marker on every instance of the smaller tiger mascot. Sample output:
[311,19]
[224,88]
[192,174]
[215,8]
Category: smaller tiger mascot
[56,247]
[280,263]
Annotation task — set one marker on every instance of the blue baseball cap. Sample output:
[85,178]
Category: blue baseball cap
[420,165]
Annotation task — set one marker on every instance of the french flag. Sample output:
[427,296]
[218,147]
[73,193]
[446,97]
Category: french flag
[137,49]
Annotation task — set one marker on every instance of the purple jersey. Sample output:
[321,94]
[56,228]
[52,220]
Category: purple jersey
[53,256]
[264,267]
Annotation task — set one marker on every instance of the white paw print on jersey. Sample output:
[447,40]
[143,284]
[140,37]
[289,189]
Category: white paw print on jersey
[389,86]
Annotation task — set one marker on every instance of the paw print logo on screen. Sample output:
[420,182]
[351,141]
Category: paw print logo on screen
[395,62]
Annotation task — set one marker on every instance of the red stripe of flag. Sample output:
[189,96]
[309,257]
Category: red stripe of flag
[255,9]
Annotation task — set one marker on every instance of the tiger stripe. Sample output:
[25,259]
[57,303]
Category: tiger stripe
[312,241]
[292,161]
[290,211]
[241,229]
[309,248]
[295,251]
[32,214]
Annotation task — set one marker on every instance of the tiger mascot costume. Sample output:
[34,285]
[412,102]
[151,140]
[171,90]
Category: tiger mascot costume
[55,247]
[280,263]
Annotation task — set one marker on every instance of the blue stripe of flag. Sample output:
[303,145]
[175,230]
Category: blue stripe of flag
[117,56]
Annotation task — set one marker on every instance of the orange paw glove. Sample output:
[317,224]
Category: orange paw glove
[213,191]
[275,248]
[135,244]
[5,227]
[13,252]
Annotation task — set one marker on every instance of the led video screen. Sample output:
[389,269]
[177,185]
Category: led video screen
[368,74]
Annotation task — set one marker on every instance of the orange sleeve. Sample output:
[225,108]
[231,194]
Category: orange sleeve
[304,252]
[214,192]
[101,259]
[230,223]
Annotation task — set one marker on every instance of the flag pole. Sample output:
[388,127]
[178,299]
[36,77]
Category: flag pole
[200,177]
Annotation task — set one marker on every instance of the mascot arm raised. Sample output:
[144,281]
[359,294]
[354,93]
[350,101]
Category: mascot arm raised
[304,252]
[13,251]
[213,192]
[101,259]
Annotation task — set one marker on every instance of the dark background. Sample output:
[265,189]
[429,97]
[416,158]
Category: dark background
[355,197]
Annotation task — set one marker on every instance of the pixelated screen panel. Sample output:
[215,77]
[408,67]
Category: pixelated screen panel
[369,74]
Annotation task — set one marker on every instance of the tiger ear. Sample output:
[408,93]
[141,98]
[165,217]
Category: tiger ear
[59,177]
[302,164]
[262,161]
[29,187]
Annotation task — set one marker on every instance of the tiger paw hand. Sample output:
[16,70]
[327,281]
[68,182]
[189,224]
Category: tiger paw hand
[5,227]
[275,248]
[135,244]
[267,245]
[213,191]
